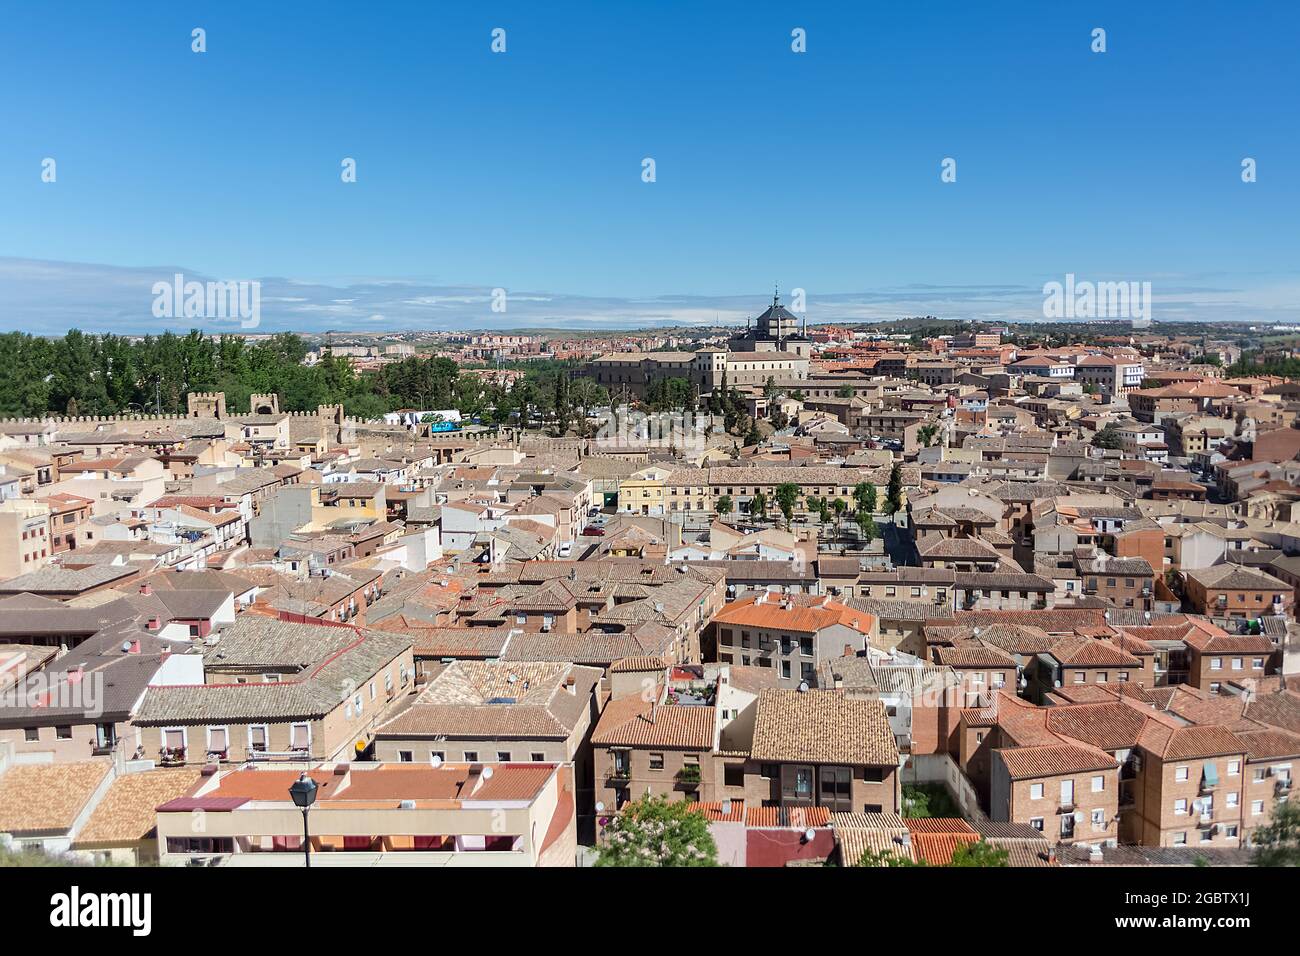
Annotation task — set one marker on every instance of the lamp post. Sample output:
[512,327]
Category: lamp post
[303,792]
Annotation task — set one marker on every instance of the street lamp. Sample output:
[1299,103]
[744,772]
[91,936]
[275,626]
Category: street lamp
[303,792]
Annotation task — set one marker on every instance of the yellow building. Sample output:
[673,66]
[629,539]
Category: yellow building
[644,492]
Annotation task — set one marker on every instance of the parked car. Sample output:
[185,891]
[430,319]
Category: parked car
[593,531]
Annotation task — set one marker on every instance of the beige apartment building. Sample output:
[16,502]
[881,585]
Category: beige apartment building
[277,690]
[25,543]
[376,814]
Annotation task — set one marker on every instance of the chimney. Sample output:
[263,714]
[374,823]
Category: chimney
[1095,854]
[154,624]
[146,588]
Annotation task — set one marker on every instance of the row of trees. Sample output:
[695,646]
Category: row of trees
[864,508]
[80,374]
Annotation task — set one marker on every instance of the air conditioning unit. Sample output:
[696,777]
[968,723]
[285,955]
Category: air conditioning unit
[546,627]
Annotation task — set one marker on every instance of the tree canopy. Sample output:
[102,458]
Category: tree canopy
[653,831]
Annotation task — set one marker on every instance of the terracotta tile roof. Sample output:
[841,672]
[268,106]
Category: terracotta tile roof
[820,726]
[937,849]
[799,818]
[1107,726]
[629,664]
[126,814]
[1171,741]
[499,699]
[795,613]
[1091,652]
[974,655]
[631,722]
[735,812]
[1054,760]
[48,796]
[1269,743]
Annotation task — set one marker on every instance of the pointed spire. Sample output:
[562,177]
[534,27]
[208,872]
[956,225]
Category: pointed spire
[776,293]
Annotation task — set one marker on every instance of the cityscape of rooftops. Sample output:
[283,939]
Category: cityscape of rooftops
[596,436]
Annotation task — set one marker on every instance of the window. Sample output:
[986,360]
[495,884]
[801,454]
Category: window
[1234,767]
[1067,792]
[218,740]
[1123,677]
[1180,839]
[1180,774]
[63,732]
[404,756]
[1230,832]
[733,774]
[257,738]
[1233,798]
[1237,663]
[1036,823]
[1098,784]
[1207,836]
[503,756]
[1035,791]
[1080,677]
[1099,819]
[656,761]
[31,733]
[1257,808]
[300,737]
[1180,806]
[1216,663]
[1257,663]
[471,756]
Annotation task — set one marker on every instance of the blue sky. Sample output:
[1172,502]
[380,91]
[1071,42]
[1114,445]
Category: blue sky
[522,170]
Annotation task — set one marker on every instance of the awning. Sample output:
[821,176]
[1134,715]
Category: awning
[1211,776]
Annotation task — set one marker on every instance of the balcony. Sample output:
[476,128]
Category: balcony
[171,756]
[688,776]
[619,775]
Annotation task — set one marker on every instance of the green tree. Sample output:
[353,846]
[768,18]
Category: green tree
[839,506]
[724,506]
[887,858]
[758,506]
[1277,843]
[979,853]
[894,490]
[867,525]
[1108,437]
[655,832]
[787,497]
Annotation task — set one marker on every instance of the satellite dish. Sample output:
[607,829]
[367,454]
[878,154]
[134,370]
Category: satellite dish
[808,835]
[726,808]
[600,807]
[803,686]
[435,760]
[487,773]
